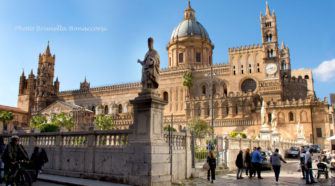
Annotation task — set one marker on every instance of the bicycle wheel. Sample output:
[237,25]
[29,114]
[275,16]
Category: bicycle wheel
[23,178]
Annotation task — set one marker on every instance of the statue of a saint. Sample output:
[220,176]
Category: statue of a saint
[264,117]
[273,121]
[150,67]
[302,131]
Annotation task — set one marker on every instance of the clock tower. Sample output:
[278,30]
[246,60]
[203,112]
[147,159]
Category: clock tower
[271,87]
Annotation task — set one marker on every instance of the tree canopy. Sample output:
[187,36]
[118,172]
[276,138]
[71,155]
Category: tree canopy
[64,120]
[188,80]
[104,122]
[6,116]
[199,127]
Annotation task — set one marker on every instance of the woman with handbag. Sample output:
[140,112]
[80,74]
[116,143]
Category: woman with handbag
[211,160]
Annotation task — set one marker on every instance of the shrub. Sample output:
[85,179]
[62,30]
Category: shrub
[234,134]
[47,127]
[168,128]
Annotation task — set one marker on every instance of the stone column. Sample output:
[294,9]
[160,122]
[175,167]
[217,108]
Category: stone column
[148,153]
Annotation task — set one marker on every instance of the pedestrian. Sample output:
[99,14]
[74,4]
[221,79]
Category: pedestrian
[302,161]
[247,162]
[43,158]
[253,169]
[256,160]
[211,160]
[35,160]
[308,167]
[239,165]
[275,161]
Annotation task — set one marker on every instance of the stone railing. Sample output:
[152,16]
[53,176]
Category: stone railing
[111,138]
[178,139]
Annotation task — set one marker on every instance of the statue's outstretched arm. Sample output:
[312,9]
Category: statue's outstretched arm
[140,62]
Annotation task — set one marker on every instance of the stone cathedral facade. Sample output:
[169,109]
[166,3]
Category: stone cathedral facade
[253,73]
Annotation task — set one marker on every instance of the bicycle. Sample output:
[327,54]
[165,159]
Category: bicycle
[18,175]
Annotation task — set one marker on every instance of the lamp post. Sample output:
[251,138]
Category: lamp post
[212,99]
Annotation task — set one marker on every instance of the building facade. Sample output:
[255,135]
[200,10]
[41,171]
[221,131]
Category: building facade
[254,73]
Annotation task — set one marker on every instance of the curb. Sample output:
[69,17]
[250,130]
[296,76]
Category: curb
[59,182]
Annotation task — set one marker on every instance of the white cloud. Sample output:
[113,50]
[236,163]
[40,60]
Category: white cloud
[325,71]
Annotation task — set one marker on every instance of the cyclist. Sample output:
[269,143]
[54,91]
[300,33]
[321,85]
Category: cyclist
[13,152]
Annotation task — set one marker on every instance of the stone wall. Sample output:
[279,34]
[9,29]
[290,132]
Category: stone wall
[102,154]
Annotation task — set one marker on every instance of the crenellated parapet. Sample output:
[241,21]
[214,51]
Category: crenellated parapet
[127,86]
[245,48]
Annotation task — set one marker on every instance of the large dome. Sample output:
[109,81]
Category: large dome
[189,27]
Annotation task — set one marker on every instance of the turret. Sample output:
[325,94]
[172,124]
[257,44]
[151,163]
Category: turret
[22,85]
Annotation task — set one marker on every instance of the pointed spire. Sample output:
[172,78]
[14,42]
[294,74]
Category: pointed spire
[31,73]
[57,79]
[47,51]
[22,72]
[189,12]
[267,13]
[282,45]
[85,80]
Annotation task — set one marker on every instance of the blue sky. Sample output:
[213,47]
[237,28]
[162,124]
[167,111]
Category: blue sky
[109,56]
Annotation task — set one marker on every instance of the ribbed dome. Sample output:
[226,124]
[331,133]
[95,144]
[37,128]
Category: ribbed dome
[189,27]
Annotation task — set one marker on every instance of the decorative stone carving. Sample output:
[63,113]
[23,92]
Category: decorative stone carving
[274,121]
[150,67]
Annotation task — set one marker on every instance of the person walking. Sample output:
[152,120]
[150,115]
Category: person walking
[2,149]
[275,161]
[308,167]
[239,165]
[211,160]
[35,160]
[256,160]
[247,162]
[302,161]
[252,169]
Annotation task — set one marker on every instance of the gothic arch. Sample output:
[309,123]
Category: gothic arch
[303,116]
[281,118]
[291,116]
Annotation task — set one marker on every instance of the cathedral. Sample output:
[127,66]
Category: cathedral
[254,74]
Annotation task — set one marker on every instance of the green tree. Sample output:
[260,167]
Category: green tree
[64,120]
[36,121]
[188,81]
[5,117]
[104,122]
[48,127]
[199,127]
[167,128]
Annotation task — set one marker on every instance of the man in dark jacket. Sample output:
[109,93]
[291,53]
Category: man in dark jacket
[247,162]
[239,165]
[13,153]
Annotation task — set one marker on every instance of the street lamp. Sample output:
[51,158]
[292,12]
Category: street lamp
[211,94]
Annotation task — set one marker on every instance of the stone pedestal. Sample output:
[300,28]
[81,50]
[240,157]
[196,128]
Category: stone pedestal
[149,158]
[301,139]
[265,133]
[275,138]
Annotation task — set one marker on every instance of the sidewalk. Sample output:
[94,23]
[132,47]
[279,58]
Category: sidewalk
[74,181]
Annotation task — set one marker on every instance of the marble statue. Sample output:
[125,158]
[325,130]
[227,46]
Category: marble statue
[264,118]
[273,121]
[150,67]
[302,131]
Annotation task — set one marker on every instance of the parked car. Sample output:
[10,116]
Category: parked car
[266,164]
[316,148]
[293,152]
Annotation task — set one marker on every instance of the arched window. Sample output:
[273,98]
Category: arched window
[249,68]
[291,116]
[227,109]
[306,77]
[242,69]
[234,70]
[166,96]
[258,67]
[236,109]
[106,109]
[203,90]
[225,91]
[120,109]
[181,57]
[198,57]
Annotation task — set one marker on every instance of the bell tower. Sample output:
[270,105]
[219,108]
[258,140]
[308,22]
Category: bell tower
[46,89]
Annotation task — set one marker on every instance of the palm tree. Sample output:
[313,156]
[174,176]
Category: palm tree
[5,117]
[188,82]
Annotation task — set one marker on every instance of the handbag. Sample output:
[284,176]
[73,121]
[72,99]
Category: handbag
[206,166]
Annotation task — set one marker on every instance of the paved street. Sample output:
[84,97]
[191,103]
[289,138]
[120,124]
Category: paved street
[288,176]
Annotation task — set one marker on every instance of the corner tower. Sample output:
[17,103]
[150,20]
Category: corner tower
[46,89]
[189,44]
